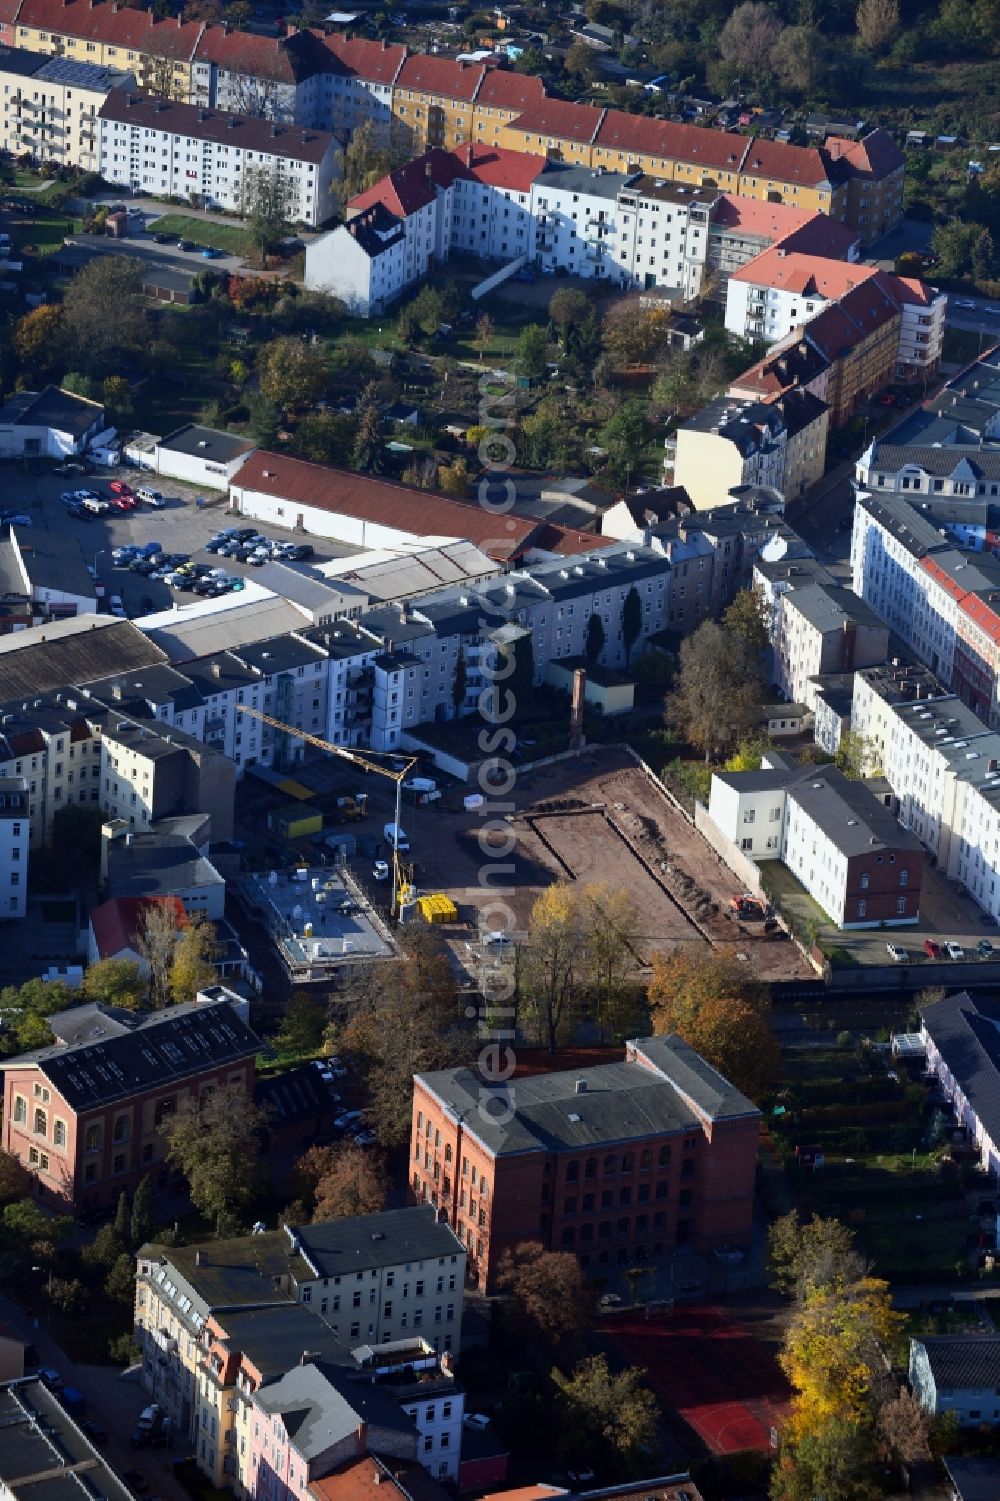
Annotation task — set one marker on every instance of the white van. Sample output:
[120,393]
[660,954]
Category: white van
[151,497]
[395,838]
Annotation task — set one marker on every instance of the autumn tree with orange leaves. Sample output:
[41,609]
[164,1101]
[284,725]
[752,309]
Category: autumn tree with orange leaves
[716,1003]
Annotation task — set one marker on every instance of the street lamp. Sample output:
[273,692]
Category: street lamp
[100,553]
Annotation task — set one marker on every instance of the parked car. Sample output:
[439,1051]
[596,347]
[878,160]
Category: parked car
[984,948]
[896,953]
[932,949]
[186,245]
[136,1482]
[954,950]
[476,1420]
[120,487]
[365,1139]
[966,304]
[161,239]
[94,1432]
[211,252]
[51,1377]
[348,1120]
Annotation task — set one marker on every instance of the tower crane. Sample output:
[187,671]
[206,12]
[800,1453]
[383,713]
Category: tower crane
[368,760]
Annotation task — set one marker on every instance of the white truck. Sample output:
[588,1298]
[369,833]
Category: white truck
[396,838]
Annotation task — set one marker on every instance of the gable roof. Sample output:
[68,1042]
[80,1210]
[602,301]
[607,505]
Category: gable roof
[118,924]
[504,89]
[361,57]
[962,1362]
[779,160]
[446,76]
[690,143]
[63,652]
[965,1030]
[159,1049]
[383,502]
[557,117]
[875,155]
[62,411]
[810,275]
[294,142]
[282,59]
[117,25]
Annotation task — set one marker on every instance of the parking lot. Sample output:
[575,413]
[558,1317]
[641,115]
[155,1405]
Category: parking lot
[181,526]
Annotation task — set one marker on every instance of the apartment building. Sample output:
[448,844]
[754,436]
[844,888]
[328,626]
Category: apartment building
[158,51]
[741,228]
[15,841]
[874,693]
[728,444]
[571,1162]
[872,169]
[833,834]
[779,292]
[168,149]
[948,449]
[83,1114]
[823,628]
[51,105]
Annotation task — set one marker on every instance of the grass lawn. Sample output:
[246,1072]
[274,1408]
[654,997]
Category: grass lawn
[44,233]
[962,345]
[231,238]
[166,401]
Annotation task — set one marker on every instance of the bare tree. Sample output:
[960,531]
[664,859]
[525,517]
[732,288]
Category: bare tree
[157,944]
[158,77]
[748,37]
[256,97]
[877,22]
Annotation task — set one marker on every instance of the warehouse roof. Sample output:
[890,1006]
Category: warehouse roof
[67,652]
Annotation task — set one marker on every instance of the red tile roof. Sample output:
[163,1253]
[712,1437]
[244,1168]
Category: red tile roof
[441,75]
[784,163]
[875,155]
[118,26]
[942,577]
[498,167]
[556,117]
[808,274]
[847,322]
[506,90]
[984,614]
[284,59]
[771,221]
[821,235]
[374,62]
[910,289]
[410,188]
[8,12]
[641,135]
[385,503]
[293,142]
[117,924]
[359,1479]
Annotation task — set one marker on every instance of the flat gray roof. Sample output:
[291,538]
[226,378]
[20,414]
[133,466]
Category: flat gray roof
[207,443]
[39,1439]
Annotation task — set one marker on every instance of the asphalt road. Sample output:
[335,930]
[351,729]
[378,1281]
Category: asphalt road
[181,527]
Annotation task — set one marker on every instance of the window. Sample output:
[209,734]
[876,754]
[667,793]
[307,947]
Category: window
[41,1123]
[59,1133]
[20,1110]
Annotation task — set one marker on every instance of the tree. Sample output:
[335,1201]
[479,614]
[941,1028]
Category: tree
[611,945]
[904,1429]
[568,309]
[532,351]
[68,1295]
[855,756]
[718,692]
[819,1253]
[36,340]
[123,1217]
[983,257]
[632,332]
[193,965]
[365,160]
[427,308]
[403,1021]
[115,982]
[604,1419]
[623,435]
[15,1180]
[749,618]
[116,396]
[105,1248]
[877,23]
[141,1223]
[952,244]
[101,343]
[581,62]
[267,200]
[155,944]
[341,1181]
[453,478]
[720,1008]
[552,1300]
[301,1031]
[366,454]
[553,950]
[748,37]
[460,681]
[214,1142]
[595,638]
[485,332]
[800,59]
[631,622]
[120,1284]
[291,373]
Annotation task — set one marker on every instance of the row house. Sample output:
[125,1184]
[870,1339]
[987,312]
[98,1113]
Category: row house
[84,1114]
[51,106]
[727,444]
[823,628]
[614,1163]
[167,149]
[159,51]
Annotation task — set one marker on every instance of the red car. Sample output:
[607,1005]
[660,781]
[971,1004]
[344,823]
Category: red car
[119,487]
[932,949]
[123,502]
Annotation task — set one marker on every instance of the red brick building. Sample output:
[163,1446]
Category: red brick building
[84,1114]
[622,1161]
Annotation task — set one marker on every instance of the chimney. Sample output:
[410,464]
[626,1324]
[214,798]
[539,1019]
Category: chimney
[199,1258]
[468,155]
[361,1438]
[216,669]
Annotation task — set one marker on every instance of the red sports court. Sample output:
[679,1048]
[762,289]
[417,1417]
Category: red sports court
[724,1383]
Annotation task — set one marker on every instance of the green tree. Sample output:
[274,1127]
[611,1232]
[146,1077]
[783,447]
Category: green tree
[581,63]
[116,396]
[631,622]
[105,1248]
[116,982]
[120,1284]
[291,373]
[595,638]
[68,1295]
[552,1302]
[983,257]
[569,309]
[427,308]
[532,351]
[123,1217]
[953,243]
[265,420]
[15,1180]
[801,60]
[142,1213]
[267,203]
[816,1253]
[623,435]
[214,1142]
[365,161]
[608,1420]
[99,342]
[301,1031]
[611,946]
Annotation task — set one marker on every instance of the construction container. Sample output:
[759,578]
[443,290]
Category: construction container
[295,821]
[437,908]
[345,844]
